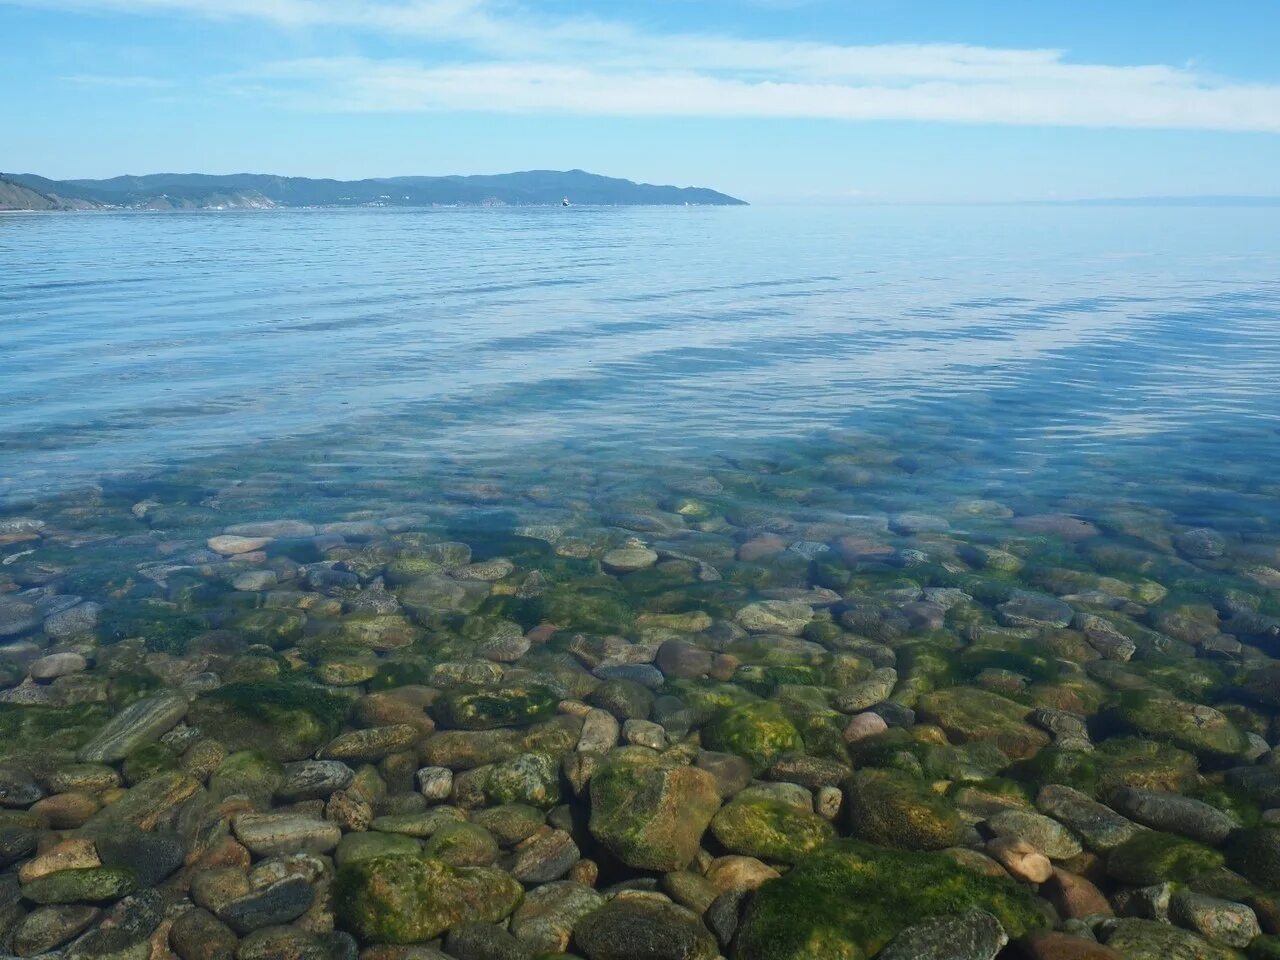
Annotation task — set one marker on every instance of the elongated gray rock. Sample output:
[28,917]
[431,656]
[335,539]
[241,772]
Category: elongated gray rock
[1174,813]
[137,724]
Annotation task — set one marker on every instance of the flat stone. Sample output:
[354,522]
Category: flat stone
[267,834]
[273,529]
[628,559]
[142,722]
[371,743]
[78,621]
[231,546]
[57,665]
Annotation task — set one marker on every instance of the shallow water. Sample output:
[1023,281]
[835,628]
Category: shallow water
[1026,451]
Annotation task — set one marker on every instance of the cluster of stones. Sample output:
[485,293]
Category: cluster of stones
[679,732]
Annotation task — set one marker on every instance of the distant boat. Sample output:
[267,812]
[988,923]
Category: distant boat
[564,202]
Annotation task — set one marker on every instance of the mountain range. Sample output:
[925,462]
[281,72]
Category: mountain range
[197,191]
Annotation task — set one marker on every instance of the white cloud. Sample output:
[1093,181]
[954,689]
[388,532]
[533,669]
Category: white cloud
[515,62]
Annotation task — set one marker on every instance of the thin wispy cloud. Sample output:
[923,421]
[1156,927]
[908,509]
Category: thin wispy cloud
[514,62]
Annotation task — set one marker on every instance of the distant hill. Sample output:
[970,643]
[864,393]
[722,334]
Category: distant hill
[197,191]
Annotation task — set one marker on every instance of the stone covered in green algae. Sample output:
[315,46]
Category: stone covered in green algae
[625,929]
[407,899]
[1199,729]
[1256,854]
[601,610]
[531,778]
[651,817]
[491,709]
[88,885]
[895,809]
[285,721]
[1119,762]
[968,714]
[48,730]
[1150,857]
[848,900]
[760,732]
[770,829]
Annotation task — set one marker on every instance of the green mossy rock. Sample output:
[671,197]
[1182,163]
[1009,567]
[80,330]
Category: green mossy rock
[770,829]
[758,732]
[285,721]
[531,778]
[895,809]
[1256,854]
[462,845]
[1201,730]
[399,899]
[848,900]
[968,714]
[491,709]
[595,610]
[636,929]
[91,885]
[1136,939]
[1151,857]
[650,817]
[50,730]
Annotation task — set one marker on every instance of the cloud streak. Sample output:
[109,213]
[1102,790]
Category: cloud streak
[512,62]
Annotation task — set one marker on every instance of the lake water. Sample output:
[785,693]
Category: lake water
[1025,453]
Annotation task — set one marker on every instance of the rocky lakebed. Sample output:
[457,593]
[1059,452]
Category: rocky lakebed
[748,711]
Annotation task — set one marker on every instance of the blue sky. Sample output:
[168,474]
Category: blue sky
[772,100]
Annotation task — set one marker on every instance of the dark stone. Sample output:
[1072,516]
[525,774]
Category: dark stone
[151,856]
[484,941]
[199,935]
[271,906]
[643,929]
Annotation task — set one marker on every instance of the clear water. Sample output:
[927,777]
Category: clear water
[1035,348]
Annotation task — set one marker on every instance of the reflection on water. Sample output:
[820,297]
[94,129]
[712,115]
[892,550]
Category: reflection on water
[145,340]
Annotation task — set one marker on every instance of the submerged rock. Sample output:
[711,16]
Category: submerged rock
[400,899]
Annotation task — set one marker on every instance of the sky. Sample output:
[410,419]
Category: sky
[808,101]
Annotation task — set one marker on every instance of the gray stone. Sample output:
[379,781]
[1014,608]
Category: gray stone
[1027,609]
[313,779]
[276,904]
[137,724]
[50,927]
[1173,813]
[1045,834]
[975,935]
[266,834]
[544,920]
[1100,826]
[1222,921]
[77,621]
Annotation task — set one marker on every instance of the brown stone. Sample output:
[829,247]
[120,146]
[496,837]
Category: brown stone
[1073,896]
